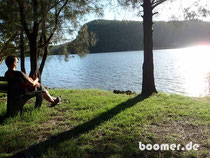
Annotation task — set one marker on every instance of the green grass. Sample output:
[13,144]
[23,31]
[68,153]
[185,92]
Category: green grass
[94,123]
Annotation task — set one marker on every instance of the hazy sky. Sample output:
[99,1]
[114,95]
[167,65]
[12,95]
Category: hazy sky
[169,10]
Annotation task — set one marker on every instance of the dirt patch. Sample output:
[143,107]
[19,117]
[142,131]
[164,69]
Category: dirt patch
[182,132]
[56,123]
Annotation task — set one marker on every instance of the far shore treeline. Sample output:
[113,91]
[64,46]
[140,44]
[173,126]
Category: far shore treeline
[115,36]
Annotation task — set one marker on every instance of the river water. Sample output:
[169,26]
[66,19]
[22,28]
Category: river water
[182,71]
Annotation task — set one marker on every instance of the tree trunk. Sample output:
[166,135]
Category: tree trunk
[148,83]
[33,55]
[22,56]
[44,58]
[34,65]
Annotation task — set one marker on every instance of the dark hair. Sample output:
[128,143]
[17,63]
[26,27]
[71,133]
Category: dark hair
[10,61]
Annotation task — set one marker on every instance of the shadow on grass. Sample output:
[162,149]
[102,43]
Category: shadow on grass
[4,116]
[39,149]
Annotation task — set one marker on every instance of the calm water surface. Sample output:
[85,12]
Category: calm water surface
[182,71]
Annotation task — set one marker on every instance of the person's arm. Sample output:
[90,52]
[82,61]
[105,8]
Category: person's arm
[35,82]
[29,80]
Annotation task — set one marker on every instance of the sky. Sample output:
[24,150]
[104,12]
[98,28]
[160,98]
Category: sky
[167,11]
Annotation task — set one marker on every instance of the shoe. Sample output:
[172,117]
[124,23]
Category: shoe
[56,101]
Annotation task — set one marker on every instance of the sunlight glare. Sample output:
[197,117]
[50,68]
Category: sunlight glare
[195,60]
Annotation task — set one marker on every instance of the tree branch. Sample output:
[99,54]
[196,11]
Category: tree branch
[56,3]
[57,13]
[8,41]
[153,1]
[23,19]
[155,4]
[35,14]
[53,6]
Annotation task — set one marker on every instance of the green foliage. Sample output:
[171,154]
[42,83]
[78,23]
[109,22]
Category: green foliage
[199,11]
[83,41]
[44,22]
[8,28]
[93,123]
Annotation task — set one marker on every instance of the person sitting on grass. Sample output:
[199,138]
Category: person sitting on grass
[28,83]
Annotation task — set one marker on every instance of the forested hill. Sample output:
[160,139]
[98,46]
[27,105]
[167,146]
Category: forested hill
[113,36]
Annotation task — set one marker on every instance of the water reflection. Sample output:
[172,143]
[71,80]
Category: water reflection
[195,68]
[183,71]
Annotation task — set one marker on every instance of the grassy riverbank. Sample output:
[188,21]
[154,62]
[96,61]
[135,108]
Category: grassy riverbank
[93,123]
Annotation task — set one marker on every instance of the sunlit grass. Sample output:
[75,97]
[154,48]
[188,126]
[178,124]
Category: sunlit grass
[102,124]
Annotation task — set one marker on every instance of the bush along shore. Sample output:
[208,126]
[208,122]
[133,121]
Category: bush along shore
[95,123]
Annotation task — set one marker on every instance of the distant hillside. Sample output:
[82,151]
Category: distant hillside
[113,36]
[116,35]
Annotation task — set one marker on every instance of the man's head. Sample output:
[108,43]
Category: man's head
[11,62]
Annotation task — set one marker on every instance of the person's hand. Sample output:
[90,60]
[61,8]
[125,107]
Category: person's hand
[37,78]
[34,76]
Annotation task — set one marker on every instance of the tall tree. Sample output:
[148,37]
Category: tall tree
[148,82]
[43,20]
[12,36]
